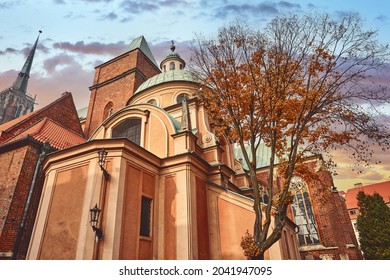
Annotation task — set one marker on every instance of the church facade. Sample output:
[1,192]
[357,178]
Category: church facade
[152,181]
[167,189]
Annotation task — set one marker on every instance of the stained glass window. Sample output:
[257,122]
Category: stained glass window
[303,213]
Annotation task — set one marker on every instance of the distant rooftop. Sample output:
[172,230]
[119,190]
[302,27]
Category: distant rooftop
[49,131]
[382,188]
[82,113]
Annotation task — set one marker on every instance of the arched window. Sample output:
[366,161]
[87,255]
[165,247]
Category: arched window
[172,66]
[303,213]
[130,129]
[108,110]
[165,68]
[263,193]
[153,102]
[181,97]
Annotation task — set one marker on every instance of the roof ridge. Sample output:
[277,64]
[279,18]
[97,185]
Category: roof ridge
[34,113]
[40,124]
[67,128]
[373,185]
[141,44]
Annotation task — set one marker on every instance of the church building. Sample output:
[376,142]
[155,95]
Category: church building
[150,180]
[167,188]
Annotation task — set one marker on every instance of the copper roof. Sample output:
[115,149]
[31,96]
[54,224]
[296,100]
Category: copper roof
[47,130]
[165,77]
[140,43]
[383,189]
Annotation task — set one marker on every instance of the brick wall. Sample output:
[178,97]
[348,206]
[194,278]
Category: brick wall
[331,216]
[18,166]
[115,81]
[332,220]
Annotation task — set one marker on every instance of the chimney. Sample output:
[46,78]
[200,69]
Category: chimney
[358,185]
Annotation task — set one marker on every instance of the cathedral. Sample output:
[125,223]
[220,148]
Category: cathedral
[143,176]
[14,100]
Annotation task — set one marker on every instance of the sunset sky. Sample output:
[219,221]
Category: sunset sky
[80,34]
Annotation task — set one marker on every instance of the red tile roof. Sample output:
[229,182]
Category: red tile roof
[14,122]
[383,189]
[62,110]
[49,131]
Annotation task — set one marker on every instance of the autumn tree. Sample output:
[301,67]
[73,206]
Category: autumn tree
[373,224]
[295,86]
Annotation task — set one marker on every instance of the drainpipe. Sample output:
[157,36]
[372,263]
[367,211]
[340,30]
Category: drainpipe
[44,150]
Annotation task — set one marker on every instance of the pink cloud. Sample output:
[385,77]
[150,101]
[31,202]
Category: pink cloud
[57,61]
[47,88]
[71,78]
[161,50]
[91,48]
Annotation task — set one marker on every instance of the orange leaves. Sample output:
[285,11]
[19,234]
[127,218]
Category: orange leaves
[292,88]
[251,249]
[320,61]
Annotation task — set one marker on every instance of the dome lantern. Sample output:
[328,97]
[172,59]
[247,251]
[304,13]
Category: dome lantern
[172,61]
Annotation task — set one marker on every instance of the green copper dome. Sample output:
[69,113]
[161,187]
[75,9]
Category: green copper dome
[165,77]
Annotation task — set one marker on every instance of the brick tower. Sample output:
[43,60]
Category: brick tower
[116,81]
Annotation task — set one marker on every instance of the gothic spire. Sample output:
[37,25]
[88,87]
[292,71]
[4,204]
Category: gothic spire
[21,81]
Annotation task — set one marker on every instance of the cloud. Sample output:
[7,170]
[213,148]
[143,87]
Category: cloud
[109,16]
[288,5]
[61,2]
[5,5]
[7,78]
[172,3]
[161,50]
[54,63]
[382,18]
[68,76]
[264,8]
[98,1]
[137,7]
[9,51]
[61,73]
[348,173]
[373,175]
[26,51]
[91,48]
[73,16]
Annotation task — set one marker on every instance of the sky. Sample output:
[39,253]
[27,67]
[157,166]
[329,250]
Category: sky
[81,34]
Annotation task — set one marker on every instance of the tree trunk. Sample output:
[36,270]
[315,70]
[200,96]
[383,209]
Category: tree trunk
[258,257]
